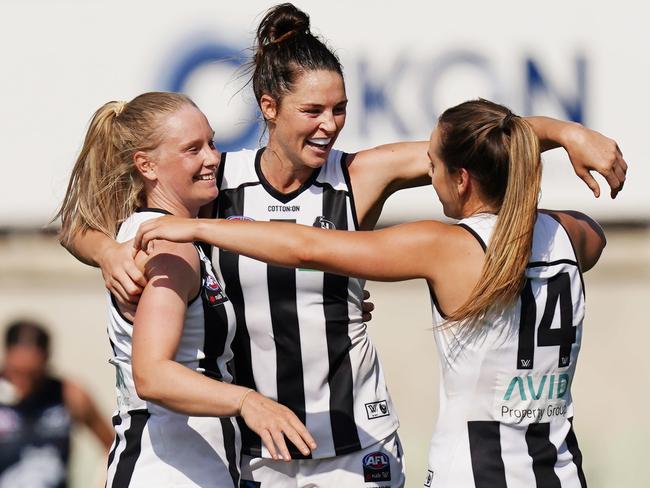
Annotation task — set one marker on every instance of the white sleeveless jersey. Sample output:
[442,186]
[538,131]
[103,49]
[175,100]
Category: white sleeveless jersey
[300,337]
[155,446]
[505,396]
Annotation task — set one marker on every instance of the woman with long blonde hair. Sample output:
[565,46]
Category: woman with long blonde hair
[174,423]
[506,289]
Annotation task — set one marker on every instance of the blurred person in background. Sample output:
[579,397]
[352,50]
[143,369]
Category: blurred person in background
[38,411]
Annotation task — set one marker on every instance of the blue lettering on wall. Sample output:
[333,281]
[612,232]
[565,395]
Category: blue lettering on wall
[379,97]
[536,84]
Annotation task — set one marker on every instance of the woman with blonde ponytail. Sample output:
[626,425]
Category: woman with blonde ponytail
[174,424]
[506,289]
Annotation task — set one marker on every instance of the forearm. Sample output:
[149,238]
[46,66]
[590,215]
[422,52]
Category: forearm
[89,246]
[553,133]
[284,244]
[178,388]
[383,255]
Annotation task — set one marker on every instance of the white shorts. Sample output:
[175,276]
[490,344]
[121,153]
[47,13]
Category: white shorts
[161,448]
[378,466]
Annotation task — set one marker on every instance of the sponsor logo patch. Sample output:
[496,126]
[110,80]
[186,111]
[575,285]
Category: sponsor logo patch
[377,409]
[323,223]
[429,479]
[376,467]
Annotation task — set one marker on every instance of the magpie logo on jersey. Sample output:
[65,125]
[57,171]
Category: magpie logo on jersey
[212,291]
[376,467]
[429,479]
[239,217]
[375,410]
[323,223]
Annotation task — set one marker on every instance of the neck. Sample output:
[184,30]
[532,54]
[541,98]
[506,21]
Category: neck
[282,173]
[476,205]
[172,205]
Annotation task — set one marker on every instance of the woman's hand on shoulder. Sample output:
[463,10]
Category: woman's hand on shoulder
[122,276]
[273,422]
[169,228]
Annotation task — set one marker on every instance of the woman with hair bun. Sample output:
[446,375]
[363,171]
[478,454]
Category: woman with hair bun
[506,290]
[300,336]
[149,157]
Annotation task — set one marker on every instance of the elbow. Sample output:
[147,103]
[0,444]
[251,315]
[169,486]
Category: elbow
[145,386]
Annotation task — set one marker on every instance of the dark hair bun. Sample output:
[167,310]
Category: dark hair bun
[281,22]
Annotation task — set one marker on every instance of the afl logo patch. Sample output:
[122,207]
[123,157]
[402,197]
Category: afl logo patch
[376,467]
[239,217]
[323,223]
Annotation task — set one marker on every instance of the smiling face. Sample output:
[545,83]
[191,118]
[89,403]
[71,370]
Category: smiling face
[309,118]
[444,182]
[180,171]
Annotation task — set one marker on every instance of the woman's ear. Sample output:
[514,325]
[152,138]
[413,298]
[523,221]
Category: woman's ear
[145,166]
[463,182]
[268,107]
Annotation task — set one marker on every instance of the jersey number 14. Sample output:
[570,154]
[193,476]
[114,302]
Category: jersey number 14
[558,289]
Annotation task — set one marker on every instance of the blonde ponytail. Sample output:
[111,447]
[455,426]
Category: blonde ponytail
[104,186]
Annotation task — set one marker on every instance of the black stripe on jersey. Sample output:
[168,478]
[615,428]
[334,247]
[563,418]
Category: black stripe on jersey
[220,171]
[572,445]
[116,420]
[544,455]
[542,264]
[231,203]
[337,320]
[215,326]
[286,334]
[485,451]
[346,174]
[229,440]
[475,234]
[282,197]
[131,452]
[527,314]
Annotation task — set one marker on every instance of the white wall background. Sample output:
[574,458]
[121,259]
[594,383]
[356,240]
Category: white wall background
[60,60]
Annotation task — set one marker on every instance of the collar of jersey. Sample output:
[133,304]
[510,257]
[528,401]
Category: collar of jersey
[271,190]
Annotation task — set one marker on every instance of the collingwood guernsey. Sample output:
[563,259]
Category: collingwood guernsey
[155,446]
[505,397]
[300,337]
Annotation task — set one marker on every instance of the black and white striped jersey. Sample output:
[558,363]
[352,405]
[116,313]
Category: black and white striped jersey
[155,446]
[300,336]
[506,410]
